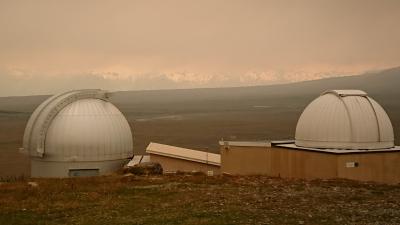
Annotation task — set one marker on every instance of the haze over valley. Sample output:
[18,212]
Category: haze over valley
[199,118]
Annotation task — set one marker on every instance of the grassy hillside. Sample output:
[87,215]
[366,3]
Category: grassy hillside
[198,200]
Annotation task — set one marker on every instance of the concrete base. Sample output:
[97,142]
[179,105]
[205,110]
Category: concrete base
[42,168]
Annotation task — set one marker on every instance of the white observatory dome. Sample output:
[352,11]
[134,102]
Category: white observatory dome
[344,119]
[77,133]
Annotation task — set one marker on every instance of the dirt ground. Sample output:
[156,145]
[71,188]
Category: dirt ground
[185,199]
[12,162]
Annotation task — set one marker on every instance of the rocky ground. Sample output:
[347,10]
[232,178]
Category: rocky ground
[189,199]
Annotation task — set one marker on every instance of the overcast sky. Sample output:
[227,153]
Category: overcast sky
[51,46]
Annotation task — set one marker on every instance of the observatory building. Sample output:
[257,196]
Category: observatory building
[341,134]
[77,133]
[344,119]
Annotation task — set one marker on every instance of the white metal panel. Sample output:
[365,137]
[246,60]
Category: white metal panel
[344,119]
[363,120]
[135,160]
[184,153]
[324,120]
[385,126]
[88,130]
[346,92]
[138,159]
[43,115]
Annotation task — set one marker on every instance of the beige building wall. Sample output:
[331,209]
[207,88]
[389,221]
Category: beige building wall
[245,160]
[380,167]
[170,164]
[278,162]
[293,163]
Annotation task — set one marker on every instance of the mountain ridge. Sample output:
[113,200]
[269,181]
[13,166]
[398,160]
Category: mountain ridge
[381,84]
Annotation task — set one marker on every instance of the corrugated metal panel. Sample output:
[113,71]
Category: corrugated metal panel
[344,119]
[325,119]
[184,153]
[88,130]
[364,124]
[41,118]
[385,126]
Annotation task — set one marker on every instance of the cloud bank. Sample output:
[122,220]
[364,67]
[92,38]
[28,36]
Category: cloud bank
[49,46]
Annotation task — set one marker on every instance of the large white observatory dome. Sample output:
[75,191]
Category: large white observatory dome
[344,119]
[78,133]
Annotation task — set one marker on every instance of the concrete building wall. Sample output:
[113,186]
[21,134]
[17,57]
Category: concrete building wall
[170,164]
[380,167]
[245,160]
[296,163]
[301,164]
[43,168]
[278,162]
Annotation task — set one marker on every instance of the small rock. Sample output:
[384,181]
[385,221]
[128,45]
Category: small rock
[128,175]
[33,184]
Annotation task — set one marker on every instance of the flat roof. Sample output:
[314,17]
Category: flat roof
[184,153]
[344,93]
[255,143]
[277,142]
[340,151]
[246,143]
[290,144]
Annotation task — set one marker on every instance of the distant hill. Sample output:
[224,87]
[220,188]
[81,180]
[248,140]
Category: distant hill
[379,85]
[383,85]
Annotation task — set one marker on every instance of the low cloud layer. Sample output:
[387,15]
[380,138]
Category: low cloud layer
[22,83]
[49,46]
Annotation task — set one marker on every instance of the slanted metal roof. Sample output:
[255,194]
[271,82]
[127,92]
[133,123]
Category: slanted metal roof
[138,159]
[184,153]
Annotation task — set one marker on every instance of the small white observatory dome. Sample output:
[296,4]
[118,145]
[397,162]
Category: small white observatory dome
[344,119]
[78,133]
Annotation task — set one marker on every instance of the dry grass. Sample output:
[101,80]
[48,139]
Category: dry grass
[197,200]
